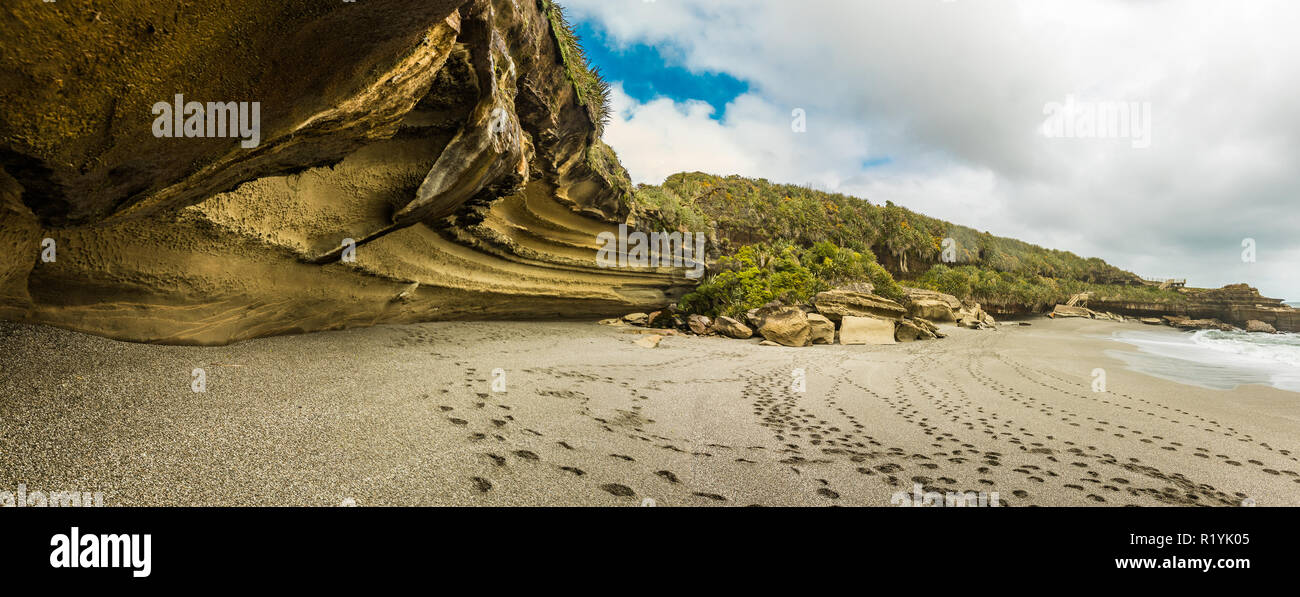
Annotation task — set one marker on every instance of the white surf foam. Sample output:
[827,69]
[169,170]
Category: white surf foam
[1214,359]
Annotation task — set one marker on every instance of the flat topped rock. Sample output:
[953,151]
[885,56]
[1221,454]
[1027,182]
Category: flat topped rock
[837,304]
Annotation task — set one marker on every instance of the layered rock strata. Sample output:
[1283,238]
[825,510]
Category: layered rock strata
[415,161]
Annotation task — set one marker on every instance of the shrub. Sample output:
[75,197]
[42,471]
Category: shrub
[760,273]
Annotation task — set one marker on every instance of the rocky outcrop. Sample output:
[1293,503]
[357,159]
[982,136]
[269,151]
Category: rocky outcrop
[1235,304]
[1185,323]
[973,316]
[414,162]
[1070,311]
[837,304]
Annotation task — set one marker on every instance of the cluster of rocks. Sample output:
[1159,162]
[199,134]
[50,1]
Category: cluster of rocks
[1178,321]
[851,316]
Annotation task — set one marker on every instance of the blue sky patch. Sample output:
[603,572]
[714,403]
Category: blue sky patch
[649,73]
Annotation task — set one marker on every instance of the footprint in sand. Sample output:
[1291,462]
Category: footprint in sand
[668,475]
[618,490]
[527,455]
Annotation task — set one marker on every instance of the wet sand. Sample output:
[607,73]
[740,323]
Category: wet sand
[408,415]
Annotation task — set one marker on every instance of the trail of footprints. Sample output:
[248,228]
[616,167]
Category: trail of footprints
[501,430]
[987,448]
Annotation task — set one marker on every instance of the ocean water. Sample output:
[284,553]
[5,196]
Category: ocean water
[1214,359]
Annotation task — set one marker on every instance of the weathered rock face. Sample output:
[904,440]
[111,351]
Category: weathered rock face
[837,304]
[822,330]
[866,330]
[444,138]
[1257,326]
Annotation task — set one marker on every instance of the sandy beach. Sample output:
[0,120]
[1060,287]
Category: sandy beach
[409,415]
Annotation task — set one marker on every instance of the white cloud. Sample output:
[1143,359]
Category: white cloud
[953,93]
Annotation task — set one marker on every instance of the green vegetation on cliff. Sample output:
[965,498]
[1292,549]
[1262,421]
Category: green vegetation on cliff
[1015,291]
[751,217]
[744,211]
[592,89]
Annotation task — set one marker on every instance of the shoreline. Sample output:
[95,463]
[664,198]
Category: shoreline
[408,415]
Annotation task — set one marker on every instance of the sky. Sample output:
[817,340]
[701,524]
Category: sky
[986,113]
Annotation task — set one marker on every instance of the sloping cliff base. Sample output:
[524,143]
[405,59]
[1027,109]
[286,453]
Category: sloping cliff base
[414,415]
[454,145]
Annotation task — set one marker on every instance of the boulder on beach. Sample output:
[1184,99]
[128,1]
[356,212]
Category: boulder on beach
[787,326]
[909,331]
[651,341]
[822,329]
[636,318]
[1152,321]
[866,330]
[732,328]
[837,304]
[700,324]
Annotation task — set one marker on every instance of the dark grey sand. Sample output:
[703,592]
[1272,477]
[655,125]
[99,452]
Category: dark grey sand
[407,415]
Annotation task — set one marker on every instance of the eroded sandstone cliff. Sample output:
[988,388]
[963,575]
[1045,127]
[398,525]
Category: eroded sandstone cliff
[452,140]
